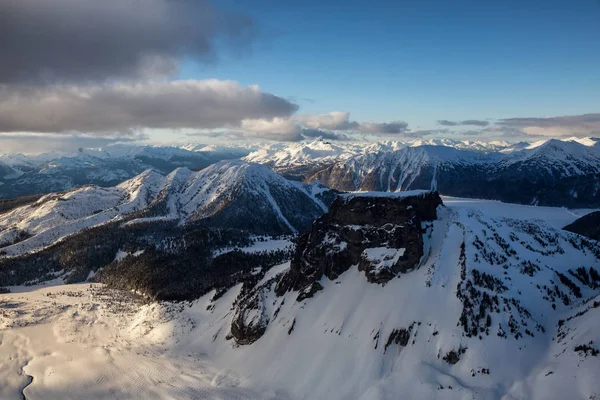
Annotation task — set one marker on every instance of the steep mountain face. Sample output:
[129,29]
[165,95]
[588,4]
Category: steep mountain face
[241,195]
[588,225]
[105,167]
[495,307]
[554,173]
[380,234]
[233,195]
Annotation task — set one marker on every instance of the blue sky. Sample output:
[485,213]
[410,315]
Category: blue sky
[169,71]
[421,61]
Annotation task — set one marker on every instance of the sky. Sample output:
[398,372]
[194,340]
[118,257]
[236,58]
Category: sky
[194,70]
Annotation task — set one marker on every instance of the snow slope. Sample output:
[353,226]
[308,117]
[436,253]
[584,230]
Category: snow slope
[226,194]
[82,341]
[353,339]
[337,344]
[55,216]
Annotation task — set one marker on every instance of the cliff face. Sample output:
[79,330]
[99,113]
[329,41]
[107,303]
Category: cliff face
[588,225]
[380,234]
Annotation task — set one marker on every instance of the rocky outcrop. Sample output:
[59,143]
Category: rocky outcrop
[588,225]
[380,233]
[251,318]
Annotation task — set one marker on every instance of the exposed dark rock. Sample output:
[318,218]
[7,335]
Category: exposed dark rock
[453,356]
[380,234]
[399,337]
[587,349]
[309,291]
[250,320]
[588,225]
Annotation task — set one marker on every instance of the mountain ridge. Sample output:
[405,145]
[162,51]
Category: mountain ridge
[228,194]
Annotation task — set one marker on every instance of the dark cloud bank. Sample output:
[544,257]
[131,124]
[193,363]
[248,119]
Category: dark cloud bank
[83,40]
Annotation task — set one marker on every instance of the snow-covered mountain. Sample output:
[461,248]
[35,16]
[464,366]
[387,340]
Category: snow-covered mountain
[225,151]
[228,194]
[305,157]
[557,158]
[552,173]
[317,153]
[471,145]
[569,159]
[387,295]
[106,166]
[502,304]
[300,158]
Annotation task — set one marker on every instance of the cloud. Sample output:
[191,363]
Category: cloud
[286,129]
[275,129]
[471,122]
[475,122]
[329,126]
[445,122]
[335,120]
[315,133]
[340,121]
[383,127]
[568,125]
[127,107]
[42,143]
[84,40]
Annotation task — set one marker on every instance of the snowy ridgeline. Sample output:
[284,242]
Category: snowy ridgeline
[229,194]
[555,173]
[503,305]
[458,168]
[282,156]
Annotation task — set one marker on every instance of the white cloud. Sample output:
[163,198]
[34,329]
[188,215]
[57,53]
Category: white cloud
[568,125]
[335,120]
[123,107]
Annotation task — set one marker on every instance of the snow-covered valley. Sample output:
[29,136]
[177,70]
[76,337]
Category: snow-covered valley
[498,308]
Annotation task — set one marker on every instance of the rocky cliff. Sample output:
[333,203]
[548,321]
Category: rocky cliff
[588,225]
[380,233]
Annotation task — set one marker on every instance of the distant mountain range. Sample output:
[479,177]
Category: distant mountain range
[553,172]
[25,175]
[557,173]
